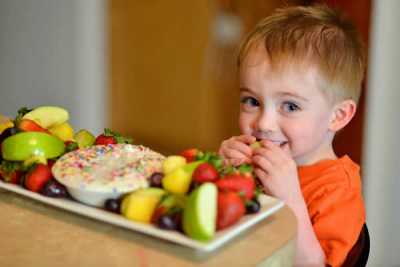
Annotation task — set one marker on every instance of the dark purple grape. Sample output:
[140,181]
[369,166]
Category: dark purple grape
[155,179]
[167,222]
[112,205]
[252,206]
[54,189]
[7,133]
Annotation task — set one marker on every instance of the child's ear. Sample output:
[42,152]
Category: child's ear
[342,114]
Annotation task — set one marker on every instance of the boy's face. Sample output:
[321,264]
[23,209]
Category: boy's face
[285,106]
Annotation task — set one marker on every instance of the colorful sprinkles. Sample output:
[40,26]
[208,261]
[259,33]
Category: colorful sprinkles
[116,168]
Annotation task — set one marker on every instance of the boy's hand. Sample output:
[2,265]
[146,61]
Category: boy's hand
[236,150]
[277,171]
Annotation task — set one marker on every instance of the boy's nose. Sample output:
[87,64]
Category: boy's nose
[267,122]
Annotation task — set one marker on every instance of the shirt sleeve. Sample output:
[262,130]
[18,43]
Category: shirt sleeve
[338,218]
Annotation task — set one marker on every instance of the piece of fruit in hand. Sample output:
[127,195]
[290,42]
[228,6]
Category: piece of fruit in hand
[230,209]
[242,184]
[37,177]
[205,172]
[190,154]
[110,137]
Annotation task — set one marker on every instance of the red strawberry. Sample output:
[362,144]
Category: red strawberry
[238,183]
[11,177]
[110,137]
[230,209]
[190,154]
[10,172]
[105,140]
[37,177]
[30,126]
[205,172]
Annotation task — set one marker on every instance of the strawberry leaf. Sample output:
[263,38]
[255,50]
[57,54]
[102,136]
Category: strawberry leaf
[118,137]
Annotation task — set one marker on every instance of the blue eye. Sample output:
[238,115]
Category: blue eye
[290,107]
[249,101]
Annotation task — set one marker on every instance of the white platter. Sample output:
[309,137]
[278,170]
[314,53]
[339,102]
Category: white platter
[269,206]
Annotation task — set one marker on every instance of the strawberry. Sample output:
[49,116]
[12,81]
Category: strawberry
[30,126]
[37,177]
[190,154]
[110,137]
[11,172]
[205,172]
[230,209]
[242,184]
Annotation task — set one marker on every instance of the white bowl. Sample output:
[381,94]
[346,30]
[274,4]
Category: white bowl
[93,175]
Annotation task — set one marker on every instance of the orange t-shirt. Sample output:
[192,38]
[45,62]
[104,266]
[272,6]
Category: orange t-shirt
[332,192]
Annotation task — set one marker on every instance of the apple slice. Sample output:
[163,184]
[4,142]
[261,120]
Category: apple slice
[47,116]
[200,213]
[24,145]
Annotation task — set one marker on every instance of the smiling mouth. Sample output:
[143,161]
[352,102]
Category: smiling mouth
[278,143]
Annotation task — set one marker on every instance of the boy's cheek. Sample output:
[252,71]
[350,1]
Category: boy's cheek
[245,124]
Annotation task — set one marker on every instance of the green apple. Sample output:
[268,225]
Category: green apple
[64,131]
[200,213]
[172,162]
[140,204]
[24,145]
[84,138]
[178,181]
[48,116]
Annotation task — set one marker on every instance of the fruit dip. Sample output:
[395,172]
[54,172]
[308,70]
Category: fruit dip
[117,169]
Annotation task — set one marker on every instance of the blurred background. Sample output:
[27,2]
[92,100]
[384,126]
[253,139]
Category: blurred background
[164,73]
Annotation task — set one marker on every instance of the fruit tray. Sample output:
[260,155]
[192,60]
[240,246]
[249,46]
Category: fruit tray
[269,206]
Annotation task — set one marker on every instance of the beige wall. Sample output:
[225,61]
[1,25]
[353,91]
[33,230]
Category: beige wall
[173,86]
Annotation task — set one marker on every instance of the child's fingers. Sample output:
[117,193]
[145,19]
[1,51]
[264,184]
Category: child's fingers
[235,143]
[277,154]
[269,154]
[233,154]
[247,139]
[263,162]
[263,177]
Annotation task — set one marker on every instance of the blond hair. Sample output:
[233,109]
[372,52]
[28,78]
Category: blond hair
[317,35]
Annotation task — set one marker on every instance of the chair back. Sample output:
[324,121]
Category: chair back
[358,255]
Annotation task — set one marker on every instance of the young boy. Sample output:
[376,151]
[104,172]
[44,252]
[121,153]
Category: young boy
[301,71]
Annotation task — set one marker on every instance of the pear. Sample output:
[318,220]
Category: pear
[172,162]
[64,131]
[178,181]
[84,138]
[139,205]
[200,213]
[48,116]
